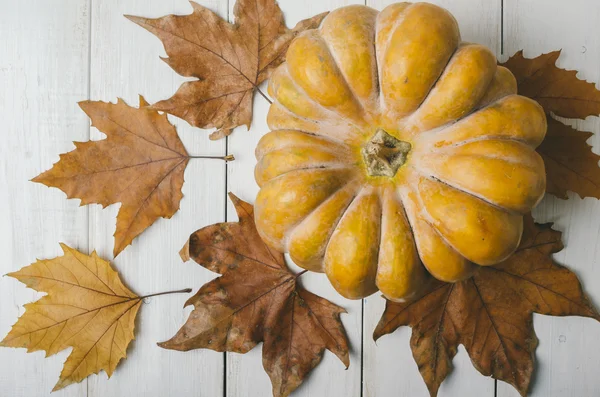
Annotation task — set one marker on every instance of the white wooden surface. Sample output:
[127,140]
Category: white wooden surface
[569,351]
[54,53]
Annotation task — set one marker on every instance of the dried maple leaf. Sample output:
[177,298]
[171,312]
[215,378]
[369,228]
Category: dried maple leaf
[87,308]
[559,91]
[257,299]
[491,313]
[570,163]
[229,60]
[140,165]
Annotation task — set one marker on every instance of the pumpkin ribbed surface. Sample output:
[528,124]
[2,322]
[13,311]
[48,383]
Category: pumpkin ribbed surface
[396,151]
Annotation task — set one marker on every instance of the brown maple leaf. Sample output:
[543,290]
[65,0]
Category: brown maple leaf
[570,163]
[140,164]
[491,314]
[256,299]
[229,60]
[559,91]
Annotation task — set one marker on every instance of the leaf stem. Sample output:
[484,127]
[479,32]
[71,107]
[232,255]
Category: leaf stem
[264,95]
[181,291]
[229,157]
[301,273]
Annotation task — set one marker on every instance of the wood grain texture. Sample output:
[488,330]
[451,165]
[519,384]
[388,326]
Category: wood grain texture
[43,73]
[567,356]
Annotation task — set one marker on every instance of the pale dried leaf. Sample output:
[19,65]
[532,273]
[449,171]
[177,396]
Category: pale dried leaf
[87,308]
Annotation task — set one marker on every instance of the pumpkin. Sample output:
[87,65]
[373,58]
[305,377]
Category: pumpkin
[397,152]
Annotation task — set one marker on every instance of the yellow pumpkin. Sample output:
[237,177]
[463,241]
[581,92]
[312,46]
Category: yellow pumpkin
[395,145]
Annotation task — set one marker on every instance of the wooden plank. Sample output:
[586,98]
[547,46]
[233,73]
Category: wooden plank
[124,64]
[43,73]
[389,366]
[245,375]
[568,354]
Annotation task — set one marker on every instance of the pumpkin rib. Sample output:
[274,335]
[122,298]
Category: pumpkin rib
[327,145]
[319,127]
[427,219]
[364,287]
[355,97]
[432,174]
[414,272]
[441,149]
[333,226]
[398,191]
[280,118]
[308,169]
[400,17]
[432,137]
[467,57]
[274,212]
[262,172]
[340,151]
[442,20]
[460,189]
[315,146]
[360,191]
[504,88]
[448,151]
[508,151]
[287,92]
[404,120]
[435,130]
[380,237]
[430,221]
[436,81]
[327,31]
[312,67]
[292,97]
[343,186]
[390,35]
[497,157]
[418,217]
[322,108]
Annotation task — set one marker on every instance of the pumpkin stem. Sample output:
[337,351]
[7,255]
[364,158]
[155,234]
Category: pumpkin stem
[384,154]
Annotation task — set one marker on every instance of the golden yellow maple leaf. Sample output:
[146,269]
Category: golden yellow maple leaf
[87,308]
